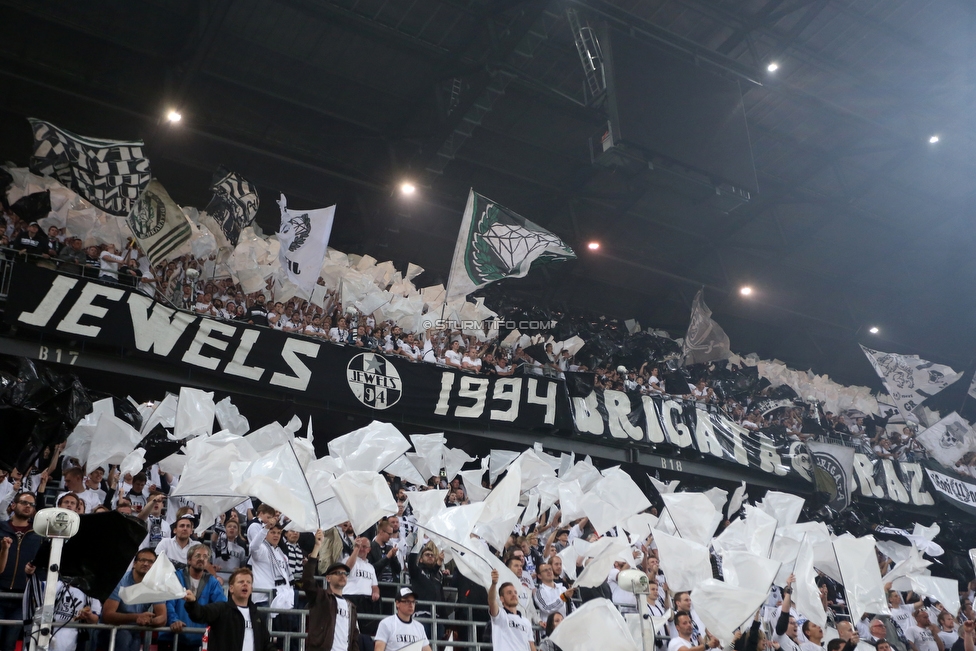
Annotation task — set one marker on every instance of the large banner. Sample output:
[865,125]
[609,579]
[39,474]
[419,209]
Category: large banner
[344,376]
[398,389]
[666,424]
[957,490]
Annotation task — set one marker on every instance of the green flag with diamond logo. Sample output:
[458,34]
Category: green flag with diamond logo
[496,243]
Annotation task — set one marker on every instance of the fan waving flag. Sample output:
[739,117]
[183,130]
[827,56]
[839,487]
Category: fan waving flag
[304,237]
[909,379]
[705,340]
[158,223]
[234,204]
[496,243]
[109,173]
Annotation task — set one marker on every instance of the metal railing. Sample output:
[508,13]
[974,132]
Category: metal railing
[474,628]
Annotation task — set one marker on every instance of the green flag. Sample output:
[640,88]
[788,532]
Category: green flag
[496,243]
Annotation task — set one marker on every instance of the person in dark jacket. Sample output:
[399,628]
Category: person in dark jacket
[24,544]
[326,607]
[427,581]
[235,625]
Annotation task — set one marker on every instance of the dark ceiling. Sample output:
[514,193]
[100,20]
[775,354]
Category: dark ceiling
[858,221]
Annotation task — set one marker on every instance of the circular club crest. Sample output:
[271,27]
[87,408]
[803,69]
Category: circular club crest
[374,380]
[150,217]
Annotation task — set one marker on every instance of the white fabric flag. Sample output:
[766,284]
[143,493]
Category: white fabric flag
[502,510]
[912,565]
[685,563]
[455,523]
[365,497]
[613,499]
[229,417]
[277,478]
[454,458]
[112,440]
[806,593]
[861,576]
[430,449]
[693,514]
[664,487]
[533,469]
[753,534]
[749,571]
[583,472]
[945,591]
[603,552]
[735,502]
[195,412]
[571,500]
[304,237]
[498,461]
[427,504]
[724,608]
[372,448]
[948,440]
[640,526]
[597,624]
[472,485]
[403,468]
[782,506]
[910,379]
[133,463]
[159,584]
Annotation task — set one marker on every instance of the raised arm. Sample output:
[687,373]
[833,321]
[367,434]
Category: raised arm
[493,595]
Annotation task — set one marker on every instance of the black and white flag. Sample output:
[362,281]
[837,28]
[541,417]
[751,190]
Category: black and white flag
[109,173]
[909,379]
[304,240]
[235,203]
[158,223]
[833,472]
[705,340]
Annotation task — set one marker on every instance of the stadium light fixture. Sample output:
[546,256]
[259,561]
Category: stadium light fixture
[407,188]
[933,139]
[874,330]
[772,67]
[174,116]
[746,291]
[593,246]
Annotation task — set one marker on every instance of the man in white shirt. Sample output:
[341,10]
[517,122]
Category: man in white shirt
[269,563]
[362,589]
[453,357]
[901,613]
[401,630]
[550,597]
[510,631]
[947,629]
[682,602]
[785,631]
[175,548]
[683,640]
[924,635]
[110,263]
[814,634]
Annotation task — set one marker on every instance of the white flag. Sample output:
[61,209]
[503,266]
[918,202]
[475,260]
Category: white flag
[948,440]
[304,237]
[909,379]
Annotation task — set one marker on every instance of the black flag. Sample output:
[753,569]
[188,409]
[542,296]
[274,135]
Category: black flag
[109,173]
[234,204]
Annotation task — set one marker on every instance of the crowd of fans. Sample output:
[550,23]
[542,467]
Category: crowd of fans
[181,282]
[374,565]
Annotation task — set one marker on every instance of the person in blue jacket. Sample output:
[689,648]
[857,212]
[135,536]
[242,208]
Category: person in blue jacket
[207,590]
